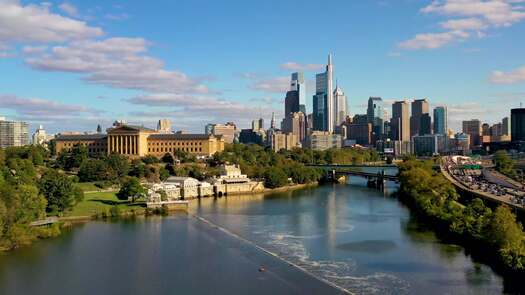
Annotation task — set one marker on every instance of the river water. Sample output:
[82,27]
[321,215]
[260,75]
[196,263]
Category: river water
[356,238]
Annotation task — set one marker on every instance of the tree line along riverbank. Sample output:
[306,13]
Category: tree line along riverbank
[35,184]
[492,234]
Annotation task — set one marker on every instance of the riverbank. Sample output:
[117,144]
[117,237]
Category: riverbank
[492,236]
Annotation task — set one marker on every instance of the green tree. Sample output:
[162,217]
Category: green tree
[507,235]
[131,188]
[118,166]
[275,177]
[504,164]
[95,170]
[60,191]
[168,159]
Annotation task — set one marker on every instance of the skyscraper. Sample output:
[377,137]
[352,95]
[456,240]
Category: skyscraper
[375,115]
[40,136]
[13,133]
[517,124]
[323,100]
[473,129]
[340,106]
[440,120]
[400,122]
[291,102]
[425,124]
[298,85]
[419,107]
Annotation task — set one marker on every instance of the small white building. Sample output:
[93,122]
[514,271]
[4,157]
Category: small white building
[205,189]
[189,187]
[172,192]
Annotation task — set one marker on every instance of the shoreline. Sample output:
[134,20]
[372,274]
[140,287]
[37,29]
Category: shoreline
[143,211]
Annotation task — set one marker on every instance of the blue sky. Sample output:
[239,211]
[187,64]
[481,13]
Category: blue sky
[73,65]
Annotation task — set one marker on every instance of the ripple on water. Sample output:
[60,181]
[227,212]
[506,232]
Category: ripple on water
[341,273]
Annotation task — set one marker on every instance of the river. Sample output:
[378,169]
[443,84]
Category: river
[342,236]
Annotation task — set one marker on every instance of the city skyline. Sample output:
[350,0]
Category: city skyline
[74,70]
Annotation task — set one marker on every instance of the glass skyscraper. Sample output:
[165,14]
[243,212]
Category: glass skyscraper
[440,120]
[323,100]
[375,114]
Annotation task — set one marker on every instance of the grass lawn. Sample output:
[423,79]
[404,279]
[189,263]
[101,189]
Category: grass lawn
[98,202]
[87,186]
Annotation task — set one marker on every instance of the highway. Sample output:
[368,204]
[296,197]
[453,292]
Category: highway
[482,183]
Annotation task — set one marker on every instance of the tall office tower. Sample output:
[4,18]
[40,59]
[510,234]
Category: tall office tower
[272,123]
[340,106]
[323,100]
[400,121]
[425,127]
[506,127]
[375,116]
[164,126]
[13,133]
[99,129]
[440,120]
[291,102]
[517,124]
[298,85]
[473,129]
[419,107]
[319,104]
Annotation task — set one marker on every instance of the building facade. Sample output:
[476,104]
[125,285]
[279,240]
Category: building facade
[323,100]
[419,108]
[400,122]
[13,133]
[283,141]
[473,129]
[320,141]
[138,141]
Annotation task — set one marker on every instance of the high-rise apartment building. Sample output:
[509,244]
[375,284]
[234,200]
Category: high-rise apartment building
[517,124]
[340,105]
[13,133]
[375,113]
[400,121]
[473,129]
[419,107]
[440,120]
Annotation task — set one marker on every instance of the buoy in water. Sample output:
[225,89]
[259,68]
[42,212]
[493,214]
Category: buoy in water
[261,269]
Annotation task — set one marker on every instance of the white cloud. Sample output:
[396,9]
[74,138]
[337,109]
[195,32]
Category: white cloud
[512,77]
[433,40]
[69,9]
[272,85]
[495,12]
[464,24]
[35,23]
[40,107]
[475,16]
[116,62]
[293,66]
